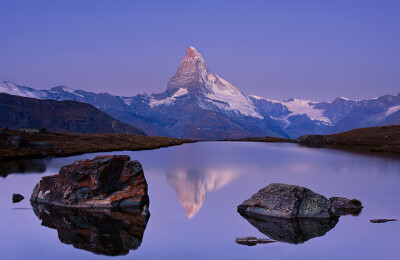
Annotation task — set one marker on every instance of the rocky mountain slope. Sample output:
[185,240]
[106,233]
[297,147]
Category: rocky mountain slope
[199,104]
[59,116]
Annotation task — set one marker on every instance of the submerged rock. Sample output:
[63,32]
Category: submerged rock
[17,198]
[111,181]
[293,231]
[101,231]
[347,206]
[382,220]
[252,241]
[287,201]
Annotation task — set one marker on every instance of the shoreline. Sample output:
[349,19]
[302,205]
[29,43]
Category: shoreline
[53,144]
[377,141]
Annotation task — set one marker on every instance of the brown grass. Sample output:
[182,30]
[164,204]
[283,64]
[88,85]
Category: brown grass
[66,144]
[375,139]
[383,139]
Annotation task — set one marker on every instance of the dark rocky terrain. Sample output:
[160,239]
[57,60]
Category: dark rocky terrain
[59,116]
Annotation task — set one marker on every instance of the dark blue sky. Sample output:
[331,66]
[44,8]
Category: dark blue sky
[276,49]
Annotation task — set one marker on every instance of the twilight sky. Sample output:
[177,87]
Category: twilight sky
[276,49]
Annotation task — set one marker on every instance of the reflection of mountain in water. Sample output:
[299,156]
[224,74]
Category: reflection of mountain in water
[294,231]
[192,186]
[100,231]
[22,166]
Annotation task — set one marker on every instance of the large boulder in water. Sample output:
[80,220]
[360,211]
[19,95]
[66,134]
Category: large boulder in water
[287,201]
[104,182]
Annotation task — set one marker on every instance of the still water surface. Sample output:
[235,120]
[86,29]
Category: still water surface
[194,190]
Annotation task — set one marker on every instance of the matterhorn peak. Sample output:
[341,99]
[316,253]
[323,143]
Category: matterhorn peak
[193,53]
[190,72]
[210,90]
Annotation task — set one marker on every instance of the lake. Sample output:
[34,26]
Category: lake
[194,190]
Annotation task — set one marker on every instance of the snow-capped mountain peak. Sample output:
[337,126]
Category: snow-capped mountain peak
[17,90]
[190,72]
[211,91]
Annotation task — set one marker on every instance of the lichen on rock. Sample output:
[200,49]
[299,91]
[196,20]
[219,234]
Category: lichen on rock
[287,201]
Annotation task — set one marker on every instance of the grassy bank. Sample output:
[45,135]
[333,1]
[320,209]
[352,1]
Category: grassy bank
[375,139]
[66,144]
[382,139]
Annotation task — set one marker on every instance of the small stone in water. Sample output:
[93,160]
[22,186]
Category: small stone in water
[381,220]
[17,198]
[252,241]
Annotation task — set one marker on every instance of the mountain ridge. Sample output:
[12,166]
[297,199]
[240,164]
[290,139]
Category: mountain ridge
[61,116]
[200,104]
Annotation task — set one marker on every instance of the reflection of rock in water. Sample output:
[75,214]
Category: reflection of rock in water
[100,231]
[22,166]
[294,231]
[192,186]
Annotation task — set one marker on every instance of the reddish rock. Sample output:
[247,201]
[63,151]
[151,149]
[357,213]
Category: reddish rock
[111,181]
[101,231]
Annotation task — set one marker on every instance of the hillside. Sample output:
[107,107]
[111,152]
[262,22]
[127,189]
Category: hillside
[39,145]
[374,139]
[59,116]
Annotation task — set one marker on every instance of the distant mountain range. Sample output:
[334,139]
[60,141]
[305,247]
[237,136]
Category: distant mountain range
[59,116]
[199,104]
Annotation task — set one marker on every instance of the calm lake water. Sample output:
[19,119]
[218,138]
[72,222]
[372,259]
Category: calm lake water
[194,190]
